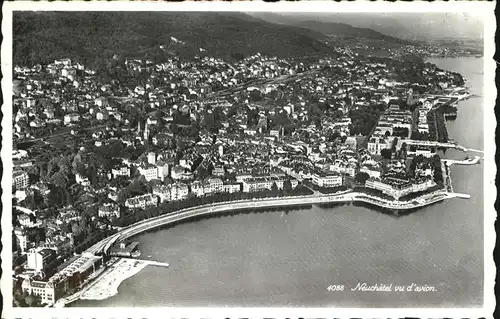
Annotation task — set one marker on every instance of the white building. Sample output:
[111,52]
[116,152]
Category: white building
[343,168]
[70,118]
[109,210]
[218,171]
[180,173]
[22,239]
[152,158]
[163,192]
[197,189]
[377,144]
[28,220]
[250,132]
[351,142]
[121,171]
[78,269]
[163,170]
[101,116]
[20,179]
[101,101]
[149,172]
[397,188]
[30,102]
[19,154]
[423,128]
[68,72]
[213,185]
[241,177]
[44,289]
[426,151]
[141,201]
[179,191]
[326,179]
[371,171]
[231,188]
[256,184]
[37,259]
[84,181]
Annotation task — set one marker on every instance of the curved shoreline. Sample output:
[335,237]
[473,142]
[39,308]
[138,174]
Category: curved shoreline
[108,282]
[224,207]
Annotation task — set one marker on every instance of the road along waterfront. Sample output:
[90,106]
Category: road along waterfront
[277,259]
[424,200]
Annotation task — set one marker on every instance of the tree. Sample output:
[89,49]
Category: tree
[34,200]
[93,177]
[114,149]
[56,196]
[401,132]
[202,171]
[394,143]
[60,179]
[209,120]
[137,187]
[76,229]
[233,110]
[362,177]
[77,164]
[274,188]
[386,153]
[333,135]
[255,95]
[30,300]
[287,186]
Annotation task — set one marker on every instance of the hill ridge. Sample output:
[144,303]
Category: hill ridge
[43,36]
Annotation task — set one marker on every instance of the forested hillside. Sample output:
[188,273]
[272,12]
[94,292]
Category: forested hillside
[41,37]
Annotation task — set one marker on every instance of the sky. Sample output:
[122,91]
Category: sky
[418,26]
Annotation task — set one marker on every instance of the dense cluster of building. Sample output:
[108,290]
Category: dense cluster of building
[263,124]
[70,275]
[397,187]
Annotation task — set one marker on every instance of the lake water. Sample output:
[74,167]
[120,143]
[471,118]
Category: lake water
[277,259]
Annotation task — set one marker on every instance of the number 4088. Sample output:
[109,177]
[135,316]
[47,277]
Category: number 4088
[335,288]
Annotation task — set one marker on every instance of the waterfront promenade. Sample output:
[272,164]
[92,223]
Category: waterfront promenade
[343,197]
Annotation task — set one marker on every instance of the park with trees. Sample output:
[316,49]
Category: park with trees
[131,216]
[364,119]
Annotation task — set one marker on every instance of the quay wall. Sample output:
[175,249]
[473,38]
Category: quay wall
[135,229]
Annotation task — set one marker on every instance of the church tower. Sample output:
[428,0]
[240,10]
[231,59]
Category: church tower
[409,99]
[146,132]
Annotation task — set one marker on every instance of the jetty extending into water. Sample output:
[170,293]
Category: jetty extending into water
[150,262]
[467,161]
